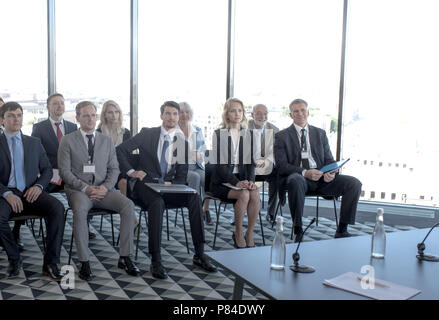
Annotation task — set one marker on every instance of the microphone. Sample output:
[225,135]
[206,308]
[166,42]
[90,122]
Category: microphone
[421,247]
[296,257]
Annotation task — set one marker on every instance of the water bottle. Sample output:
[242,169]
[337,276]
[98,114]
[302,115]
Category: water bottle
[278,247]
[378,249]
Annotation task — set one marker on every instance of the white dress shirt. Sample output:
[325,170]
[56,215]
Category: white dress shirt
[61,126]
[312,162]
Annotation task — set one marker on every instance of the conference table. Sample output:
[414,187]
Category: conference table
[332,258]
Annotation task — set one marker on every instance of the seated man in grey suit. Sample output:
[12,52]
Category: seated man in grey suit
[88,165]
[265,164]
[300,150]
[50,132]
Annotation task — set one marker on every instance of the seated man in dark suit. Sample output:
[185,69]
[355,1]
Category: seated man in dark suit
[24,172]
[155,151]
[51,131]
[300,150]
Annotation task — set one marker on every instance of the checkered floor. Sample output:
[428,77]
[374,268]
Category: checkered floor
[185,280]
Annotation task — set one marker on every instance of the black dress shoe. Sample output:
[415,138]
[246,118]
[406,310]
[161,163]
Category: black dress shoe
[128,265]
[85,272]
[51,270]
[91,235]
[343,234]
[203,263]
[158,271]
[14,268]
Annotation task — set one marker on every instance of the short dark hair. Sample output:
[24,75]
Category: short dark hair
[9,106]
[297,101]
[53,96]
[83,104]
[171,104]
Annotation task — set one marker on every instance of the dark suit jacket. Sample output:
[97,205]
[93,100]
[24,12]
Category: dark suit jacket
[223,173]
[35,162]
[147,141]
[44,131]
[287,151]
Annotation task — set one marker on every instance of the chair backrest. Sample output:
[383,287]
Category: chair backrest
[208,171]
[133,159]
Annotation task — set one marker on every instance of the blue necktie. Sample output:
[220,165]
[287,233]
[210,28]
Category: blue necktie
[18,164]
[163,162]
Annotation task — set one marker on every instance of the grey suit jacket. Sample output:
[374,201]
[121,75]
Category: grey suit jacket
[266,146]
[73,154]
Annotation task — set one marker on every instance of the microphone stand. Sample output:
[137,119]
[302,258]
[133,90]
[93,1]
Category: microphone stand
[421,247]
[296,267]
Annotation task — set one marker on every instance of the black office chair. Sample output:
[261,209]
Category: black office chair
[134,160]
[28,217]
[262,178]
[208,172]
[93,212]
[283,199]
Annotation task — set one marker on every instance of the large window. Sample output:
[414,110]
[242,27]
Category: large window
[93,52]
[23,57]
[183,57]
[287,49]
[391,103]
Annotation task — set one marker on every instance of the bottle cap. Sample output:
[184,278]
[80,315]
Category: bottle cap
[380,211]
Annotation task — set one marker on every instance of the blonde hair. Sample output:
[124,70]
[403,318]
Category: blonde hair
[185,105]
[103,125]
[225,123]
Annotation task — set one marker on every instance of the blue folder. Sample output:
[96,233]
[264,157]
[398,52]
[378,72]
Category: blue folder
[334,166]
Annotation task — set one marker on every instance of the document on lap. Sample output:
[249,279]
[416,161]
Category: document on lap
[334,166]
[228,185]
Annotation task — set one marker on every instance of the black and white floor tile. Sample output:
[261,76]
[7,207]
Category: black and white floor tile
[185,281]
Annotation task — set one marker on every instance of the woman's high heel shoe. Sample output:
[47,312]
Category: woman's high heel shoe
[235,244]
[246,245]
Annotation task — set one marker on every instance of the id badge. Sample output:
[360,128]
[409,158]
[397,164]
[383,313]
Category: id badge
[89,168]
[305,155]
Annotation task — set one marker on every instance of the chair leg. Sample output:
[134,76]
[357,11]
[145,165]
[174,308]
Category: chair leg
[262,228]
[102,220]
[217,223]
[71,246]
[335,212]
[112,228]
[138,234]
[184,227]
[43,238]
[317,212]
[32,223]
[176,215]
[167,224]
[275,214]
[263,194]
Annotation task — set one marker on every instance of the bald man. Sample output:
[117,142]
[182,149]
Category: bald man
[265,164]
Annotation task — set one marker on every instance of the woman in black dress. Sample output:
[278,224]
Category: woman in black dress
[233,148]
[111,124]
